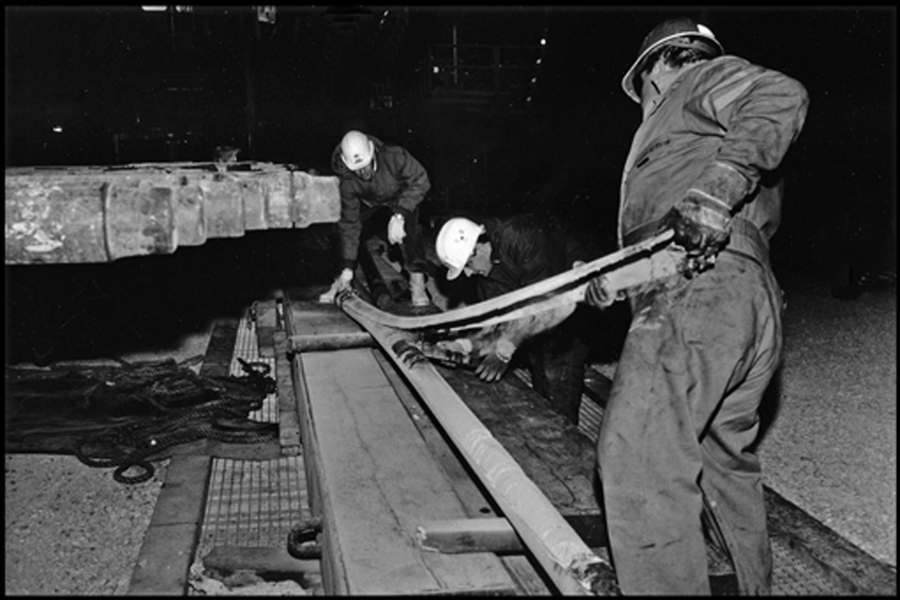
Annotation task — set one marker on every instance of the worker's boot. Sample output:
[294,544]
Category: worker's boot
[417,289]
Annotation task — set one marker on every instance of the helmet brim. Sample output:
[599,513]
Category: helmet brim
[453,273]
[628,79]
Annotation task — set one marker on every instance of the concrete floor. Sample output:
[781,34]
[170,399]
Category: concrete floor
[831,449]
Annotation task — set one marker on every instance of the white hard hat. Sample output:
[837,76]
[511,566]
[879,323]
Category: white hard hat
[357,150]
[455,244]
[674,31]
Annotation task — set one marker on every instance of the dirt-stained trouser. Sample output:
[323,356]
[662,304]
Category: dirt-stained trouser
[682,417]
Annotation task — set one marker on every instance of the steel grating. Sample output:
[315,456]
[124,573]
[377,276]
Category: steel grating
[253,503]
[791,576]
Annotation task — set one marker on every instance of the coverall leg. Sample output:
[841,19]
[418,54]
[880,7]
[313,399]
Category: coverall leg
[681,421]
[374,222]
[557,369]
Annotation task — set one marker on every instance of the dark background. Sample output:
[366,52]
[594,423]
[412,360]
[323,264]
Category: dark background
[123,85]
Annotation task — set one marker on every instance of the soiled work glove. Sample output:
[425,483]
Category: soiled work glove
[396,229]
[341,283]
[702,225]
[494,364]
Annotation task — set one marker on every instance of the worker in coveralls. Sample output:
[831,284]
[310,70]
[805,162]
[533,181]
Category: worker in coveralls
[701,350]
[376,177]
[504,255]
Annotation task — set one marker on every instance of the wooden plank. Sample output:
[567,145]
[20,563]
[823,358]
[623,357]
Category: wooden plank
[315,318]
[380,481]
[552,452]
[475,500]
[266,316]
[288,416]
[314,470]
[566,559]
[473,496]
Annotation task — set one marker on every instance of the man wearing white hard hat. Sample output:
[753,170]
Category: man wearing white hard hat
[505,254]
[378,178]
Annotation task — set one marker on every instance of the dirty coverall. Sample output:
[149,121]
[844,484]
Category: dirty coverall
[700,352]
[525,249]
[398,187]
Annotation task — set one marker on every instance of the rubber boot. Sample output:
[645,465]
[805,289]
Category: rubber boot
[417,289]
[328,297]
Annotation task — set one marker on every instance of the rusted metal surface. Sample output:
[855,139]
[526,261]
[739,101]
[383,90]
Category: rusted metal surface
[100,214]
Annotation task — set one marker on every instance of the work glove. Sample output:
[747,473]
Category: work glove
[494,364]
[396,229]
[341,283]
[598,293]
[702,226]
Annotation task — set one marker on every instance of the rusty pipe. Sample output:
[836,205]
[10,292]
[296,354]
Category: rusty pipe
[100,214]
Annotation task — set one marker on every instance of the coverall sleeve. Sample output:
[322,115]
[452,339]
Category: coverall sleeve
[414,183]
[763,112]
[535,260]
[349,226]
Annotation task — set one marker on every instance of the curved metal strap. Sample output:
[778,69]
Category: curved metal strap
[566,287]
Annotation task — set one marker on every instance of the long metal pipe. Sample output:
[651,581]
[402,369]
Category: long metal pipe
[101,214]
[565,557]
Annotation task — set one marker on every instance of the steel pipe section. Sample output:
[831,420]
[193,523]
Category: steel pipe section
[100,214]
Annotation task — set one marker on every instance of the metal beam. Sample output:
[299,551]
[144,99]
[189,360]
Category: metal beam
[101,214]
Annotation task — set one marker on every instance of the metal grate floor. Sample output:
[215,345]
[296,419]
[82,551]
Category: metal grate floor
[792,577]
[253,503]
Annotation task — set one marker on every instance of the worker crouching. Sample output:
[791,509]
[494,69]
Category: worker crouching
[503,255]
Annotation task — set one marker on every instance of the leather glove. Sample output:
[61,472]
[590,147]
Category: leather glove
[494,364]
[396,229]
[598,293]
[702,225]
[341,283]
